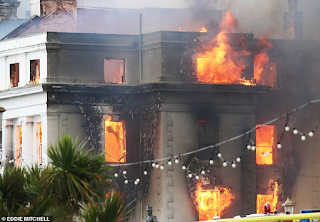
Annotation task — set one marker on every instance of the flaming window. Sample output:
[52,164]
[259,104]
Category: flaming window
[39,143]
[211,203]
[18,158]
[265,139]
[220,62]
[14,74]
[272,199]
[114,71]
[34,71]
[115,141]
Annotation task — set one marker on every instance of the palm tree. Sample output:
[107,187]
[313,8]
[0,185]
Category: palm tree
[73,175]
[111,210]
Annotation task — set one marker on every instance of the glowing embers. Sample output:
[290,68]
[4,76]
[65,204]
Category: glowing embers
[114,71]
[265,139]
[211,203]
[264,70]
[115,141]
[272,199]
[219,62]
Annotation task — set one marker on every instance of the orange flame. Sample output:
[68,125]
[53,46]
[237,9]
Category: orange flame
[264,72]
[211,203]
[203,29]
[262,199]
[265,139]
[115,145]
[220,63]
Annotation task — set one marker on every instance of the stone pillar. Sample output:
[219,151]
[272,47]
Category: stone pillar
[27,142]
[50,132]
[7,145]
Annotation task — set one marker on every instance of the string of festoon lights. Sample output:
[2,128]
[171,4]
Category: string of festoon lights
[161,163]
[176,159]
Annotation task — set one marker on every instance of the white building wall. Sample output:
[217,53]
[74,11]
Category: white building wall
[23,108]
[22,50]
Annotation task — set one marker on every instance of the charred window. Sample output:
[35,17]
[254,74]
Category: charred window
[14,74]
[265,139]
[39,143]
[115,141]
[114,71]
[34,71]
[207,135]
[18,156]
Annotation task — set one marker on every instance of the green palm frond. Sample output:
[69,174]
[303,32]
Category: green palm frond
[76,174]
[111,210]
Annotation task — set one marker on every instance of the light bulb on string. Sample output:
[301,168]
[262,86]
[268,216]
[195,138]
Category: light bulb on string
[176,160]
[279,146]
[295,131]
[162,167]
[190,175]
[253,147]
[138,179]
[249,147]
[203,172]
[224,163]
[197,177]
[116,174]
[153,164]
[135,183]
[145,172]
[303,137]
[311,133]
[184,167]
[169,162]
[126,181]
[233,164]
[157,166]
[124,172]
[211,161]
[238,159]
[219,155]
[287,128]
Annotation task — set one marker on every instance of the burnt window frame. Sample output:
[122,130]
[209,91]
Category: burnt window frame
[123,78]
[34,68]
[211,122]
[14,70]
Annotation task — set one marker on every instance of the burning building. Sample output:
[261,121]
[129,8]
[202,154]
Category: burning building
[140,95]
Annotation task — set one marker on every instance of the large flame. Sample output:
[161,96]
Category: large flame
[221,63]
[203,29]
[262,199]
[115,145]
[211,203]
[264,71]
[265,139]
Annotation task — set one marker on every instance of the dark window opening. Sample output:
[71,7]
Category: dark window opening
[208,135]
[34,71]
[114,71]
[14,74]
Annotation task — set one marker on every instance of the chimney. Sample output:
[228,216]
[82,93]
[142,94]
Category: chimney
[8,9]
[44,7]
[293,21]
